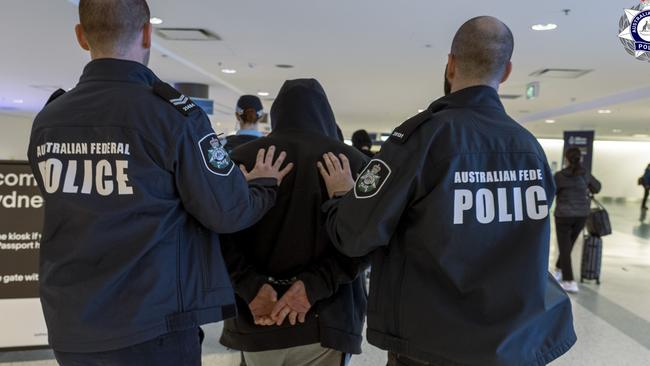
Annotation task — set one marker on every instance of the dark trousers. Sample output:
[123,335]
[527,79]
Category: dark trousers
[173,349]
[395,359]
[567,230]
[645,197]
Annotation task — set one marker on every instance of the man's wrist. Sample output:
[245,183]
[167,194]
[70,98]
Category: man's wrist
[339,194]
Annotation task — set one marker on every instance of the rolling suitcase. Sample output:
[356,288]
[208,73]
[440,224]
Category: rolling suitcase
[592,256]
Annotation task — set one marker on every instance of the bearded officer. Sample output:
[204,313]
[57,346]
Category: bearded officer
[137,187]
[455,208]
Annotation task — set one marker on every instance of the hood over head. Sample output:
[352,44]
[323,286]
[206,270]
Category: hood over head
[302,105]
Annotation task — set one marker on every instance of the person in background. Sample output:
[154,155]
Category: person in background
[573,187]
[300,302]
[362,142]
[248,113]
[644,181]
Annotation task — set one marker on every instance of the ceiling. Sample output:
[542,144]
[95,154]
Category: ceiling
[379,60]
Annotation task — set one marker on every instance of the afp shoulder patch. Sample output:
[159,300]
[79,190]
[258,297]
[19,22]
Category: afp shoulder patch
[372,179]
[182,103]
[215,157]
[404,131]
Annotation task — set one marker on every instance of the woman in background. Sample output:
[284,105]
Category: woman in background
[574,185]
[248,113]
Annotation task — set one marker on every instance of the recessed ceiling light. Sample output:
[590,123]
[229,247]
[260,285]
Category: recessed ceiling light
[18,101]
[544,27]
[263,94]
[604,111]
[550,121]
[616,130]
[229,71]
[155,21]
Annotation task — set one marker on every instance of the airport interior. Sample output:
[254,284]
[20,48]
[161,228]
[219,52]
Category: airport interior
[579,79]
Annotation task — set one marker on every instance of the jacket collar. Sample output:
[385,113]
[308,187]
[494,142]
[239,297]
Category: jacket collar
[110,69]
[481,96]
[254,133]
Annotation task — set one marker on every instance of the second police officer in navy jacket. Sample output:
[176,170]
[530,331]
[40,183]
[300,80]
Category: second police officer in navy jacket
[455,211]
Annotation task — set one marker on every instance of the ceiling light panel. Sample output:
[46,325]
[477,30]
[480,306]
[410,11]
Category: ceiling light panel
[187,34]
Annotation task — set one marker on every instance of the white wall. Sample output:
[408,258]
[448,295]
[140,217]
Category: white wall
[14,136]
[617,164]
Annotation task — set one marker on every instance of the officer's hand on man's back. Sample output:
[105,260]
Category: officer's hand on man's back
[266,168]
[337,175]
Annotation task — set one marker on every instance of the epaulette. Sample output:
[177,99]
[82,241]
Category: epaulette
[406,129]
[182,103]
[56,94]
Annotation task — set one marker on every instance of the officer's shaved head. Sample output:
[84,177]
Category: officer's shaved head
[482,48]
[110,26]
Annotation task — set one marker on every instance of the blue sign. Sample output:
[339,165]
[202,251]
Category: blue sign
[206,104]
[583,140]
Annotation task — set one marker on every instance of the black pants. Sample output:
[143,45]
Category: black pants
[173,349]
[395,359]
[567,230]
[645,197]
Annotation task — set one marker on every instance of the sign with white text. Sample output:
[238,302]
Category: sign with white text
[21,220]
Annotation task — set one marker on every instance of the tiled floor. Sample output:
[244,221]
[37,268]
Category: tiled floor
[612,320]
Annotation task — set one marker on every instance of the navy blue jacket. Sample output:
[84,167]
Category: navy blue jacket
[234,141]
[455,208]
[136,188]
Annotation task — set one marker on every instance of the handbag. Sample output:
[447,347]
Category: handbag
[598,223]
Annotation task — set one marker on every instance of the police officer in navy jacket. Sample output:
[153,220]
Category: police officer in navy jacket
[455,209]
[137,187]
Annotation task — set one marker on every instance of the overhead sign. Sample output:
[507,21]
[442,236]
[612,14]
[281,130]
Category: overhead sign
[21,219]
[532,90]
[206,104]
[583,140]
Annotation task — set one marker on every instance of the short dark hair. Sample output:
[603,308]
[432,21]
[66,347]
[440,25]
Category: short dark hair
[360,139]
[483,47]
[111,25]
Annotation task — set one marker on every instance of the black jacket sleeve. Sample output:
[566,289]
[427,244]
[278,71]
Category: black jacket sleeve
[224,203]
[594,185]
[359,224]
[245,279]
[323,280]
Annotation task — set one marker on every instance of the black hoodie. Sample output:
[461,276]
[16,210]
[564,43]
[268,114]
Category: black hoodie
[291,240]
